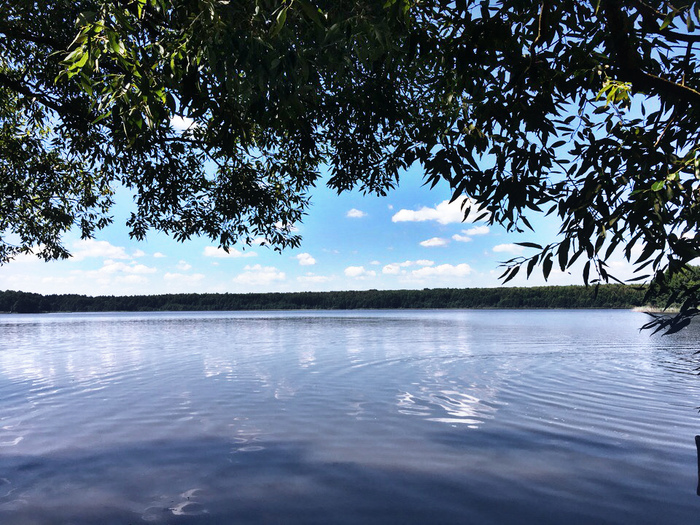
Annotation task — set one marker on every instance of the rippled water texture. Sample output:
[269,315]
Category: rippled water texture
[392,417]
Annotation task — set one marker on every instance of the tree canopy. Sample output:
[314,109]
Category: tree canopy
[586,111]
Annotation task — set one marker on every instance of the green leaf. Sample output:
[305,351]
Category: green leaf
[531,265]
[667,21]
[547,267]
[658,185]
[563,253]
[513,272]
[279,21]
[311,11]
[529,245]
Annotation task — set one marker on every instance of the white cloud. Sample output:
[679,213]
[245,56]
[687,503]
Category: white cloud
[359,272]
[434,242]
[355,214]
[138,253]
[477,230]
[132,279]
[467,234]
[443,270]
[183,278]
[461,238]
[391,269]
[115,272]
[445,213]
[395,268]
[286,227]
[113,267]
[159,255]
[91,248]
[508,248]
[26,258]
[259,275]
[58,280]
[311,278]
[213,251]
[375,263]
[184,266]
[305,259]
[182,123]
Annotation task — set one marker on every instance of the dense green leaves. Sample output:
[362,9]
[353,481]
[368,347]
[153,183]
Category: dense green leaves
[608,296]
[586,111]
[266,92]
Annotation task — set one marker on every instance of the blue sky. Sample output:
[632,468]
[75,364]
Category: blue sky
[409,239]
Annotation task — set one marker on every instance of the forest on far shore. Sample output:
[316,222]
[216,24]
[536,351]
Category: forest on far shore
[604,296]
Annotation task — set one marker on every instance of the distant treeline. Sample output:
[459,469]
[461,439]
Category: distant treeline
[607,296]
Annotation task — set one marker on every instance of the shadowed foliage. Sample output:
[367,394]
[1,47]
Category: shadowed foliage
[219,116]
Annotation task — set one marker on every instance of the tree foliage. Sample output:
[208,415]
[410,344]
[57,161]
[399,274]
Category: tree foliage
[586,111]
[91,90]
[609,296]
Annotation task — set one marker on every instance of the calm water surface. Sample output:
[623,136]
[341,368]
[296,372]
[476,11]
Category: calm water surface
[391,417]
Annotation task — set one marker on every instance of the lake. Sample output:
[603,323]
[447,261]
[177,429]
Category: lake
[347,417]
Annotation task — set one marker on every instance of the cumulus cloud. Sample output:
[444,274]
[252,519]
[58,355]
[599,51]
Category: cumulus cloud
[183,278]
[91,248]
[286,227]
[434,242]
[132,279]
[184,266]
[508,248]
[355,214]
[477,230]
[359,272]
[259,275]
[396,268]
[138,253]
[311,278]
[444,213]
[182,123]
[116,272]
[461,238]
[58,280]
[27,258]
[443,270]
[467,234]
[220,253]
[392,269]
[305,259]
[110,266]
[159,255]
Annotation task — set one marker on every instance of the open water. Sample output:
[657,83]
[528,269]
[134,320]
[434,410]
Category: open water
[363,417]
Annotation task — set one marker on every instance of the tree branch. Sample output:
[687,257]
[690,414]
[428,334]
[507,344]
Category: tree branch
[662,86]
[18,34]
[651,15]
[22,89]
[63,109]
[628,60]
